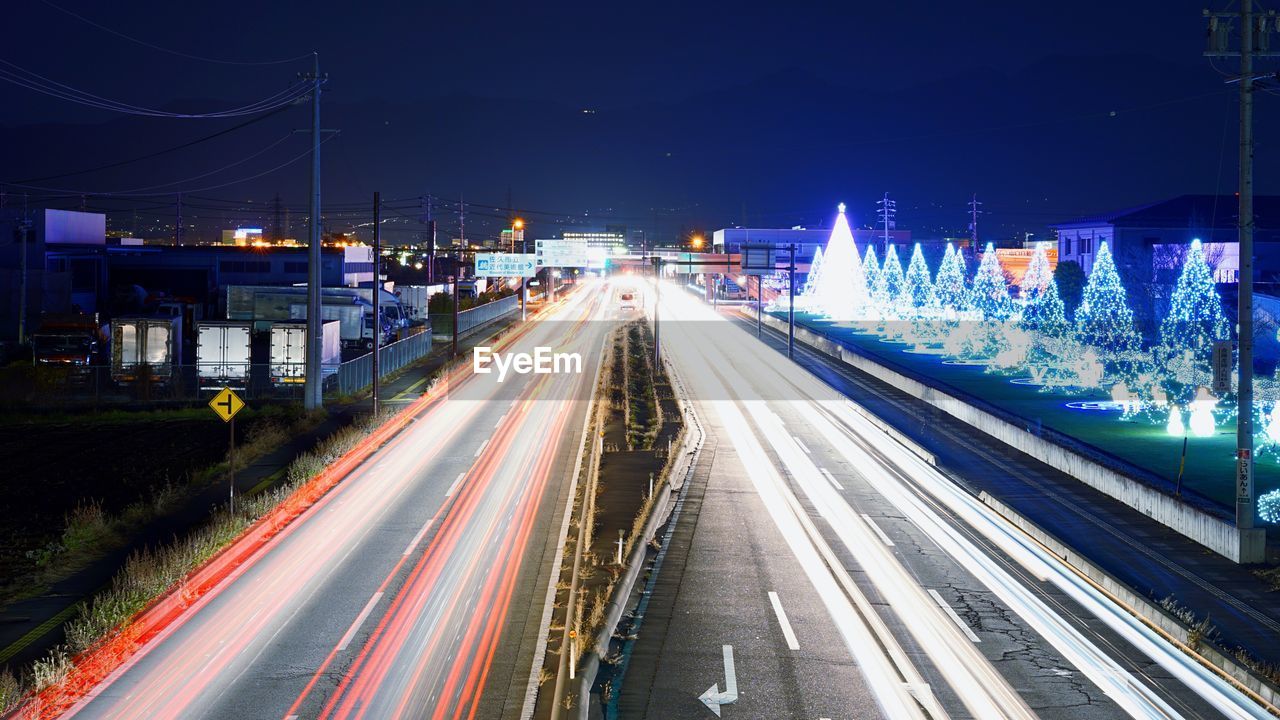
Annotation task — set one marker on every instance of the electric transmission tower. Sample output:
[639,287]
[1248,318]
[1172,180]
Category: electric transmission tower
[887,212]
[974,212]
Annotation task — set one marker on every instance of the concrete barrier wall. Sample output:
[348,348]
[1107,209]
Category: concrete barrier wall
[1213,532]
[1143,607]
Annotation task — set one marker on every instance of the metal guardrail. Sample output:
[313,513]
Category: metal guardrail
[356,375]
[475,317]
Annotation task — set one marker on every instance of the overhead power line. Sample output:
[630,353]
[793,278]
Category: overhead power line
[177,53]
[155,154]
[22,77]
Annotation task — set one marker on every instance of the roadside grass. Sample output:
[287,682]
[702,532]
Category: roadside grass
[150,573]
[89,531]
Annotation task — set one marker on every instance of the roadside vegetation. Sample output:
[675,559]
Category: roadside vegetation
[151,573]
[635,423]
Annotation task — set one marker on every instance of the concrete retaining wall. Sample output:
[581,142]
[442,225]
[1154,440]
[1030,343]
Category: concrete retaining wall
[1215,533]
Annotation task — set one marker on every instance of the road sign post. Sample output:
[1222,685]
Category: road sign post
[226,404]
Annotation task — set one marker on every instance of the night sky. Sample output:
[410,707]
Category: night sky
[660,116]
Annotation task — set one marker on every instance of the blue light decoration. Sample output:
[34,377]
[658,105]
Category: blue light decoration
[1194,322]
[889,283]
[950,288]
[990,294]
[806,297]
[917,288]
[1269,506]
[871,271]
[1104,321]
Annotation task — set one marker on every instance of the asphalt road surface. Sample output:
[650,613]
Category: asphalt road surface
[416,587]
[852,579]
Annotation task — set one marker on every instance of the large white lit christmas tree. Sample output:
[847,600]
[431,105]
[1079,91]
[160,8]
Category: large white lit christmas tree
[1194,322]
[841,289]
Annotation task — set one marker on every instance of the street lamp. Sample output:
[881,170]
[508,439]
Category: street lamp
[696,242]
[517,226]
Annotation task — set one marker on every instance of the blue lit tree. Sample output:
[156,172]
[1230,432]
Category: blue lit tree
[815,271]
[917,288]
[1037,276]
[891,281]
[950,289]
[1045,314]
[1104,320]
[990,293]
[871,273]
[1194,322]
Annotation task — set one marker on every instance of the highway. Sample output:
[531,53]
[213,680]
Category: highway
[415,588]
[853,579]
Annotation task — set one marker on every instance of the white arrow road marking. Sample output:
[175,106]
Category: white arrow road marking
[787,632]
[713,698]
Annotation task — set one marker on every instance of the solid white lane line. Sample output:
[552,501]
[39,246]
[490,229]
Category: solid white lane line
[454,487]
[831,479]
[884,538]
[799,442]
[787,632]
[364,614]
[480,449]
[964,627]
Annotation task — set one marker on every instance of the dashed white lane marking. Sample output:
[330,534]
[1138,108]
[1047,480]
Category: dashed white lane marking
[787,632]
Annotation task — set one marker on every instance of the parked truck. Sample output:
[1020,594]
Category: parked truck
[74,339]
[223,353]
[153,343]
[289,351]
[265,304]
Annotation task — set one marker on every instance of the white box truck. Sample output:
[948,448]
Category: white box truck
[153,342]
[223,354]
[289,351]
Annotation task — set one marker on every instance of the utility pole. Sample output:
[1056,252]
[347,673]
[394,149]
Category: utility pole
[377,294]
[457,298]
[974,212]
[1255,41]
[313,397]
[177,228]
[791,299]
[424,201]
[887,212]
[657,304]
[24,230]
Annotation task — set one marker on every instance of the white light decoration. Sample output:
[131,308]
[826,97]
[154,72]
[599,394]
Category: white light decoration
[1174,426]
[1202,422]
[840,290]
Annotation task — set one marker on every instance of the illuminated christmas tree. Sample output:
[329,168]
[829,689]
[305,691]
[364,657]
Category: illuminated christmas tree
[804,301]
[990,292]
[1037,276]
[871,272]
[1104,320]
[890,282]
[950,289]
[1045,314]
[1194,322]
[841,289]
[917,288]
